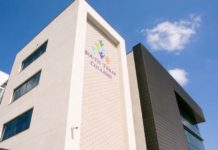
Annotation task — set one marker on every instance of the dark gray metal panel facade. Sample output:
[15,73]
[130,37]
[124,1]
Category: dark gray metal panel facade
[146,106]
[161,117]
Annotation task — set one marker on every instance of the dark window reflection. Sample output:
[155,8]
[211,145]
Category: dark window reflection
[26,86]
[17,125]
[36,54]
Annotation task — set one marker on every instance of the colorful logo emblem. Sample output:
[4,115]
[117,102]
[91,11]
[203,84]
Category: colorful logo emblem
[98,49]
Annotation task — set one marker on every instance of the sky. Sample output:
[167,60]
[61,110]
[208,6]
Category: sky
[181,34]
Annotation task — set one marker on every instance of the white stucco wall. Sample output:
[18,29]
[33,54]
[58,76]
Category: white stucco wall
[77,111]
[60,99]
[50,98]
[136,105]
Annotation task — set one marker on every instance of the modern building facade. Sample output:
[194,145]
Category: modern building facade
[70,88]
[165,116]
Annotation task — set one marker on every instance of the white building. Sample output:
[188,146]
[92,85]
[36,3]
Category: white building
[69,89]
[3,83]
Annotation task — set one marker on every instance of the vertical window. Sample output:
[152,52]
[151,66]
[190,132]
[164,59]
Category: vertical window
[17,125]
[36,54]
[26,86]
[192,133]
[1,93]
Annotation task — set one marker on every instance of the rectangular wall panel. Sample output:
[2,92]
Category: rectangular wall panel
[103,109]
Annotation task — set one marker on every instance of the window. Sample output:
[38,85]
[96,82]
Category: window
[17,125]
[36,54]
[192,133]
[26,86]
[194,142]
[1,93]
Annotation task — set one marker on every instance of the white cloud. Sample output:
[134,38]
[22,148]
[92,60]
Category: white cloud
[172,36]
[180,75]
[3,77]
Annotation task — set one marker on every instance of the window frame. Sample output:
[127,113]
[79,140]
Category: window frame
[1,94]
[30,55]
[16,118]
[23,83]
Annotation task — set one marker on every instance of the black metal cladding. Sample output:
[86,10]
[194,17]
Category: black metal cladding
[36,54]
[160,111]
[152,66]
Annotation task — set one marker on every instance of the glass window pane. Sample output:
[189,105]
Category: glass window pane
[193,141]
[27,86]
[36,54]
[17,125]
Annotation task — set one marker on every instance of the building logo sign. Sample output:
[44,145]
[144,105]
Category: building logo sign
[99,59]
[99,51]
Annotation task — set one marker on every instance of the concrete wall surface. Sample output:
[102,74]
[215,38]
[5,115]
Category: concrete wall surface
[49,99]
